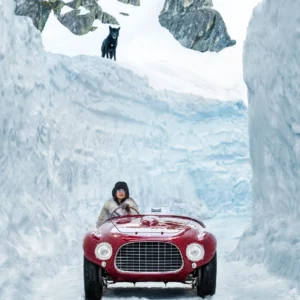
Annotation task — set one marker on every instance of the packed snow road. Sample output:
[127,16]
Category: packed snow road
[236,279]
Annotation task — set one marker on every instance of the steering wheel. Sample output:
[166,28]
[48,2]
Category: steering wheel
[114,212]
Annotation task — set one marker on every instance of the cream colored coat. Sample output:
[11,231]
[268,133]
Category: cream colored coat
[108,208]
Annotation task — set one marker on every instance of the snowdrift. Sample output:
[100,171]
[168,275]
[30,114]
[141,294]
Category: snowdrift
[151,50]
[271,67]
[72,127]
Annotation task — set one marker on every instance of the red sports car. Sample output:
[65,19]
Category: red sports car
[140,248]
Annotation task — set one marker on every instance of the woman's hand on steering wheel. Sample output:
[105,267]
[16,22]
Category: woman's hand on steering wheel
[125,206]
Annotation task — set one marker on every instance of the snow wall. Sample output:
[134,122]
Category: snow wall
[271,71]
[71,127]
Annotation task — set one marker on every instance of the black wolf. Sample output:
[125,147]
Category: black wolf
[109,45]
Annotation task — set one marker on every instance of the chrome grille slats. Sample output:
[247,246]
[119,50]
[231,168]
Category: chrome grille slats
[148,257]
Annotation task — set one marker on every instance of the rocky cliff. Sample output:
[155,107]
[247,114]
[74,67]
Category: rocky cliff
[196,25]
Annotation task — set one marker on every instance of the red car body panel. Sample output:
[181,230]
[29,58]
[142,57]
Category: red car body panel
[177,230]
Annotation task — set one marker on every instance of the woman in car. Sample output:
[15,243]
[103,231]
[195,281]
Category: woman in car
[120,199]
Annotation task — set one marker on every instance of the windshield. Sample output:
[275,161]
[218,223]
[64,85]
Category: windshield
[156,210]
[184,210]
[175,209]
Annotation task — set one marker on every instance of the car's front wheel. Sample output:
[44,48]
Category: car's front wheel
[207,278]
[93,283]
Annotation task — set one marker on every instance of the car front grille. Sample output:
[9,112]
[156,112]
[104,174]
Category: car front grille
[147,257]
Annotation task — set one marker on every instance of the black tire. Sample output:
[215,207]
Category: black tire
[207,278]
[93,283]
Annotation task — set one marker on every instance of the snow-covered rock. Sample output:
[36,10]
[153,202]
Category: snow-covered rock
[34,9]
[66,9]
[77,15]
[80,20]
[105,17]
[83,11]
[271,68]
[196,25]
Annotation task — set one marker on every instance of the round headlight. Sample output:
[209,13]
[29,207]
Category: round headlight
[103,251]
[195,252]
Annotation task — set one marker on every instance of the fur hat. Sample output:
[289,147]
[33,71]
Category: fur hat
[121,185]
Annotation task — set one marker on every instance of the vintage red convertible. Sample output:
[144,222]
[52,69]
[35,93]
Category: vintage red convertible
[154,247]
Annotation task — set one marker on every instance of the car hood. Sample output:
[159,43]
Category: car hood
[151,226]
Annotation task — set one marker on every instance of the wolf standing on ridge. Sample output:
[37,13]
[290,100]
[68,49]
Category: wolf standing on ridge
[109,45]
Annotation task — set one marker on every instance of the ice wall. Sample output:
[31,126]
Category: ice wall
[71,127]
[271,70]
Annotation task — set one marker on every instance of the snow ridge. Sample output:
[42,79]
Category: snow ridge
[271,68]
